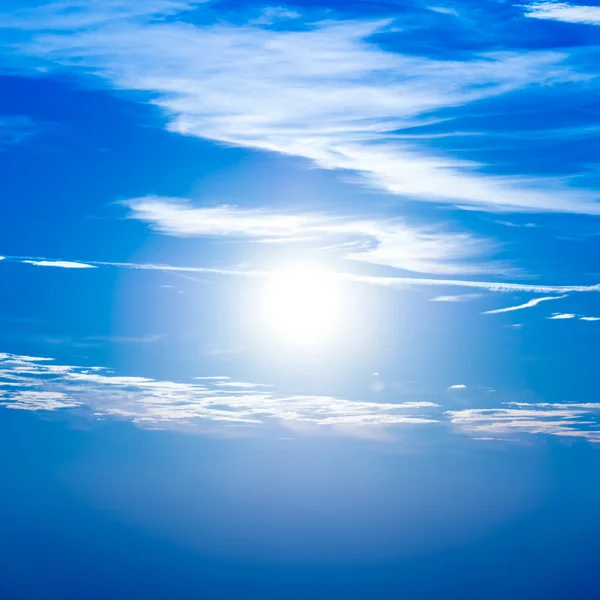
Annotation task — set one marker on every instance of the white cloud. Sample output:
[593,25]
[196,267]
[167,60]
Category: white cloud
[560,316]
[459,298]
[148,402]
[38,384]
[123,339]
[443,10]
[323,92]
[390,243]
[33,400]
[272,14]
[458,386]
[242,384]
[564,11]
[491,286]
[591,406]
[563,420]
[529,304]
[391,282]
[61,264]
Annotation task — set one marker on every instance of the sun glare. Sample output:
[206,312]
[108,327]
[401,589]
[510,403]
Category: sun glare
[302,304]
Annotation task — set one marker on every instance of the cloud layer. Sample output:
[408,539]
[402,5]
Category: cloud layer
[323,91]
[36,383]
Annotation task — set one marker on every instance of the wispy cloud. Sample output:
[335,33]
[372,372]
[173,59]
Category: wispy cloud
[563,420]
[39,384]
[99,393]
[389,242]
[569,316]
[529,304]
[61,264]
[459,298]
[491,286]
[391,282]
[322,91]
[75,15]
[122,339]
[242,384]
[444,10]
[564,11]
[16,129]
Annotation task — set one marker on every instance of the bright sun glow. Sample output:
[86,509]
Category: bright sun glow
[303,304]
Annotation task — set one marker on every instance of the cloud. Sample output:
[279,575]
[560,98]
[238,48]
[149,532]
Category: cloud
[69,15]
[321,91]
[391,242]
[564,11]
[459,298]
[458,386]
[561,316]
[272,14]
[61,264]
[123,339]
[444,10]
[391,282]
[530,304]
[33,400]
[98,393]
[491,286]
[39,384]
[16,129]
[563,420]
[242,384]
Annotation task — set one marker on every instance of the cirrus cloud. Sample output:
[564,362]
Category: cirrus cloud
[322,91]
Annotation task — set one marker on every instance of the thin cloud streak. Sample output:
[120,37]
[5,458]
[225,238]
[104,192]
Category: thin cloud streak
[391,282]
[61,264]
[529,304]
[459,298]
[491,286]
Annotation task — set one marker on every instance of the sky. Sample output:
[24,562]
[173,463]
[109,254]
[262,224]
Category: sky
[299,299]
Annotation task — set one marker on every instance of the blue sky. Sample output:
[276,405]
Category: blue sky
[299,299]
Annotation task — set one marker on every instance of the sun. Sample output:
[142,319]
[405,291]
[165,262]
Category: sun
[302,304]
